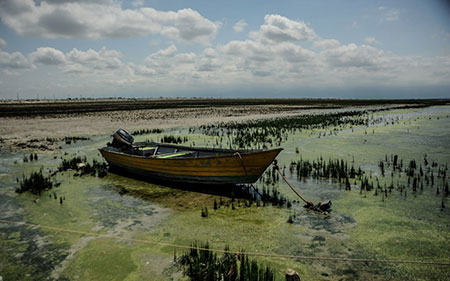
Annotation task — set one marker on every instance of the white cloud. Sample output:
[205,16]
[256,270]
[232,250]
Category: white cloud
[256,60]
[14,61]
[371,40]
[189,25]
[102,19]
[294,53]
[326,43]
[2,43]
[240,26]
[185,58]
[169,52]
[389,14]
[90,60]
[48,56]
[165,62]
[278,29]
[352,55]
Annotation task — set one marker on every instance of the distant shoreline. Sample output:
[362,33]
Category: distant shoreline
[24,108]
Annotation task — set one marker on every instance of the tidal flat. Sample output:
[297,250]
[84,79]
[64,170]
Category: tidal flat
[121,228]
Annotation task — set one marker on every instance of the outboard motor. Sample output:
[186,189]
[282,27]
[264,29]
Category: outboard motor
[122,139]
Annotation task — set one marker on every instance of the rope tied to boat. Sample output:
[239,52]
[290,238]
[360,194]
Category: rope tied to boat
[275,167]
[245,171]
[323,207]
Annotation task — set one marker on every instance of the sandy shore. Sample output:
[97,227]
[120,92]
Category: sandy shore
[32,133]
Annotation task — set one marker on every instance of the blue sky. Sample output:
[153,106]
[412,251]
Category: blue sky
[143,48]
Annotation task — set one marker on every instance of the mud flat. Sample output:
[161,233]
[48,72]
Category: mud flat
[37,125]
[120,228]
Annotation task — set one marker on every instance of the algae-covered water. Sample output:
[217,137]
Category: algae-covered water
[402,226]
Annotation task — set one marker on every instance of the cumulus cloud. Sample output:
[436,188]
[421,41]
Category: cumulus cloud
[169,52]
[275,55]
[48,56]
[165,62]
[326,43]
[2,43]
[14,61]
[278,29]
[352,55]
[240,26]
[257,51]
[102,19]
[93,60]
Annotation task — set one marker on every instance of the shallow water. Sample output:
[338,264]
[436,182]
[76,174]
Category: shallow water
[360,225]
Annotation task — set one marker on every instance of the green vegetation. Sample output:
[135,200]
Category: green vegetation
[32,157]
[69,140]
[70,106]
[35,183]
[406,220]
[83,167]
[147,131]
[175,140]
[201,264]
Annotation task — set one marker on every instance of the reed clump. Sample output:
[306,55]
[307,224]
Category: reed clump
[147,131]
[392,175]
[199,263]
[83,167]
[174,140]
[69,140]
[36,182]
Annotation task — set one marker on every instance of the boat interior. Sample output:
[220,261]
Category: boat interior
[168,151]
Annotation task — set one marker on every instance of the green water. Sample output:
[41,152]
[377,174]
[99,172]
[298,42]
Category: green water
[360,225]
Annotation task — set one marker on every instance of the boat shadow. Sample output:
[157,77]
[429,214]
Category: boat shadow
[237,191]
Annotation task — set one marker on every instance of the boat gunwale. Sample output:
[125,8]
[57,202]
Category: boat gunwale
[224,150]
[243,153]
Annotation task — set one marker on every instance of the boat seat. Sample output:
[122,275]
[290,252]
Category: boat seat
[172,155]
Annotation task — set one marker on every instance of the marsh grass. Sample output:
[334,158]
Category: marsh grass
[202,264]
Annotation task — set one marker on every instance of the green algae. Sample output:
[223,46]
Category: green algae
[360,226]
[102,259]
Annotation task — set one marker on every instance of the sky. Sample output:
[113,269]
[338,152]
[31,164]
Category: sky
[205,48]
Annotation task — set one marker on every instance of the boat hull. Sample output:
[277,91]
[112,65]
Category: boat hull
[226,169]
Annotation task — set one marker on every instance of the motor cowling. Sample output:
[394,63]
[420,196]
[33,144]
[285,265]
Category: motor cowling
[122,138]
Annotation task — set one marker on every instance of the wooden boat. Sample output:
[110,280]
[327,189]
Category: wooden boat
[185,164]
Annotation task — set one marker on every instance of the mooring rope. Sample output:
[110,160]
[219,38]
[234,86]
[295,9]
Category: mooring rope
[245,171]
[321,258]
[309,203]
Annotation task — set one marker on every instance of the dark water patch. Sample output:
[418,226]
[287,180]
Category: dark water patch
[110,207]
[26,253]
[334,223]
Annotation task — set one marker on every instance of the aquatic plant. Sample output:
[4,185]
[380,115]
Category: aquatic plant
[199,263]
[415,176]
[147,131]
[204,212]
[175,140]
[69,140]
[36,182]
[271,132]
[333,168]
[83,167]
